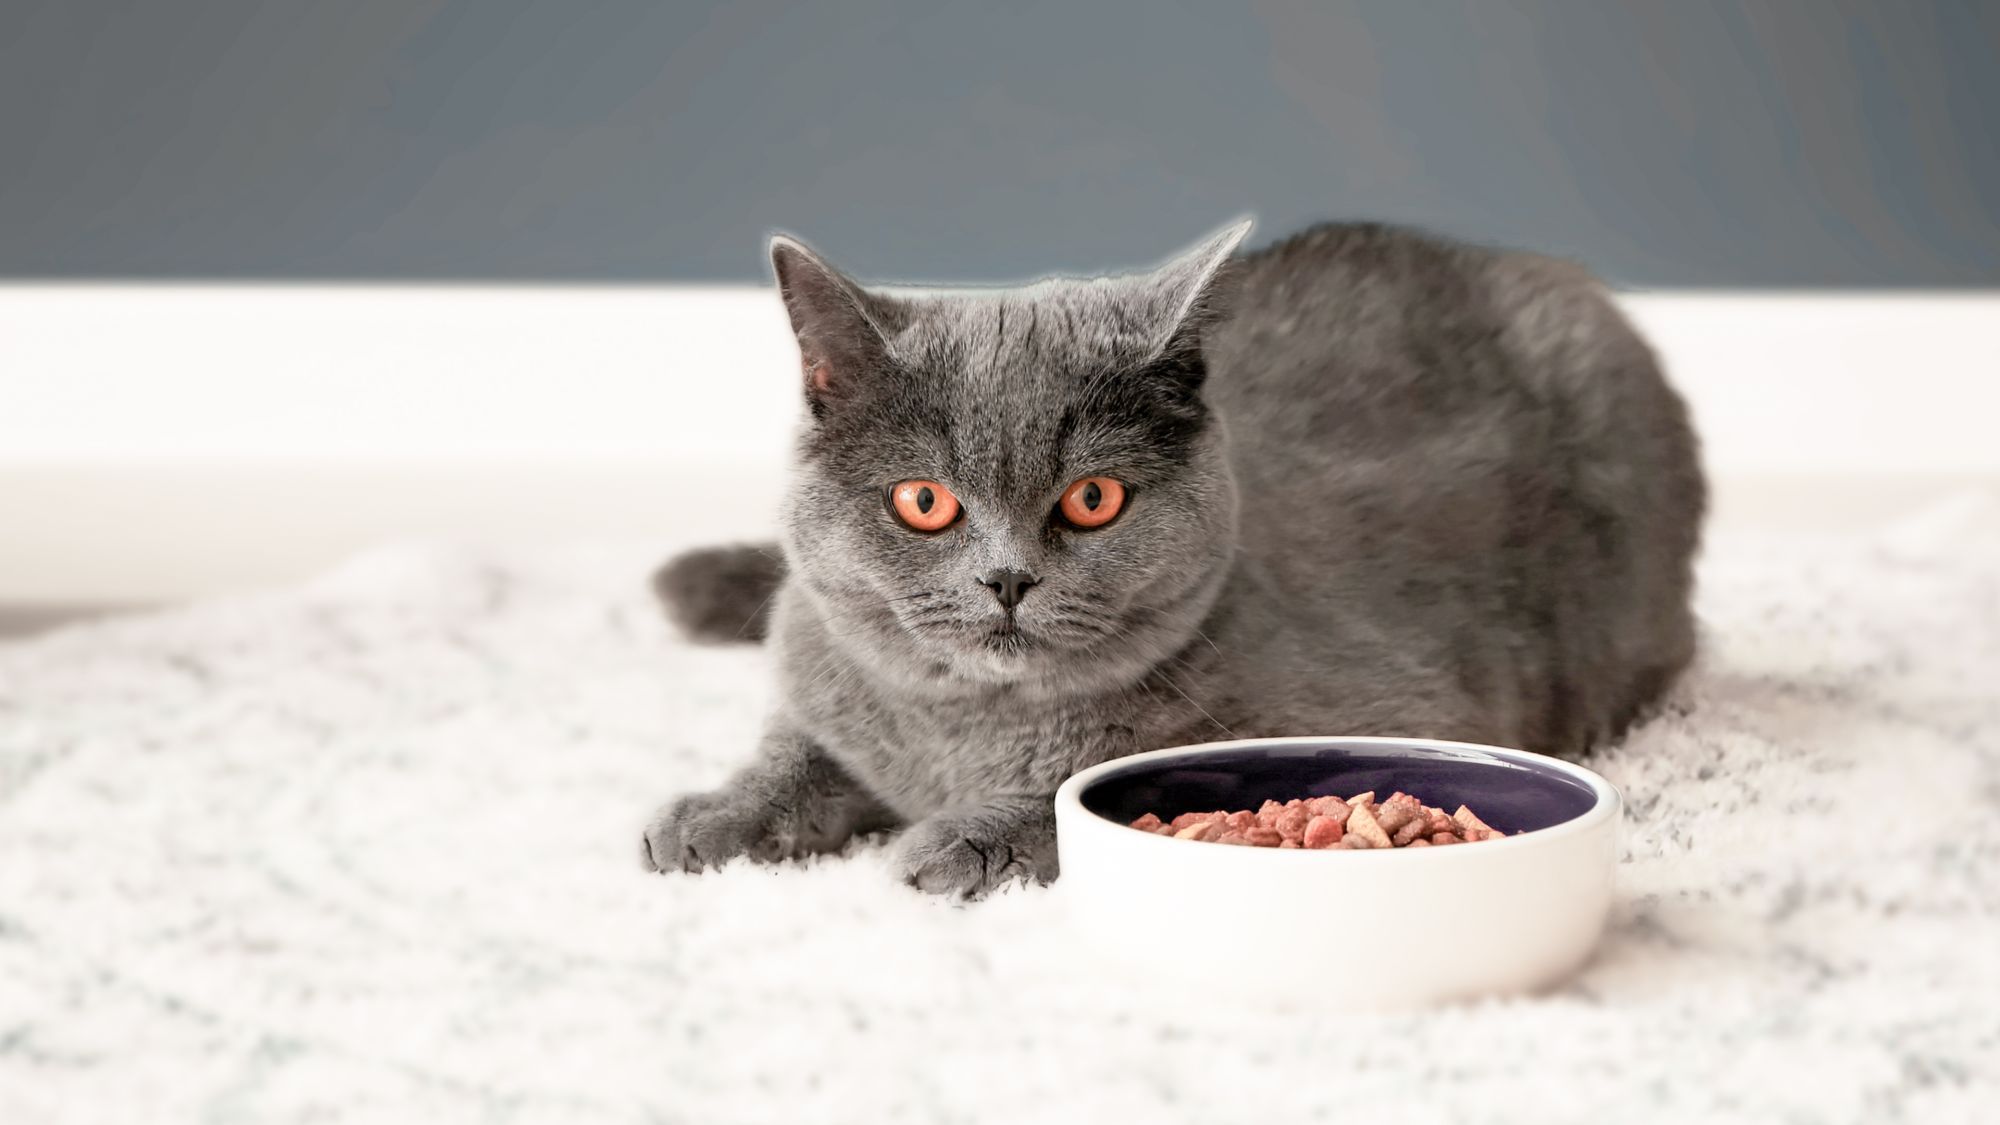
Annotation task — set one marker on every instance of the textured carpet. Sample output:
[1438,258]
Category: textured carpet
[365,851]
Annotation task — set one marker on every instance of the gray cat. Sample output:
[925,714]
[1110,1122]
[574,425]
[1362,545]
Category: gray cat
[1364,481]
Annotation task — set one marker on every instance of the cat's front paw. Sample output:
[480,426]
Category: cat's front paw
[966,853]
[702,830]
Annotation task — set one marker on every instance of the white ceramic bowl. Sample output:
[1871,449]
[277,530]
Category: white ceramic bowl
[1381,929]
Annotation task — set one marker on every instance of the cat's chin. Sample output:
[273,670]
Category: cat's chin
[1008,644]
[1023,657]
[1027,653]
[1036,663]
[1008,649]
[1000,655]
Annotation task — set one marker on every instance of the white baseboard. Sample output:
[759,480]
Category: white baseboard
[160,442]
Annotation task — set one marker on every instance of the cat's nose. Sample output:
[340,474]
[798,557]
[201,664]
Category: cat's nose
[1009,586]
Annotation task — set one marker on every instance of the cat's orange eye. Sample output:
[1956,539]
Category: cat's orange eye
[924,504]
[1092,501]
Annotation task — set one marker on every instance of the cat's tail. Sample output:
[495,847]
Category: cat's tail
[721,594]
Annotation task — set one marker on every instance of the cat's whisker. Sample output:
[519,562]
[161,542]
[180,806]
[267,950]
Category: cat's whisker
[843,677]
[881,609]
[1205,637]
[829,661]
[1167,679]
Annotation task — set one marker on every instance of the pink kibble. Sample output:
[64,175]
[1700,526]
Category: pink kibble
[1198,831]
[1291,824]
[1394,815]
[1322,832]
[1358,823]
[1333,807]
[1409,833]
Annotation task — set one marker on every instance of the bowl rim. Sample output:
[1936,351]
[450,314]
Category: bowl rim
[1607,807]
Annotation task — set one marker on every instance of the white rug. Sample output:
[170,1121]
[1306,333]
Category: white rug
[365,851]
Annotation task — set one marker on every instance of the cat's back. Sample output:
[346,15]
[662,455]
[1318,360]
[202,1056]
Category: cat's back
[1467,450]
[1361,376]
[1357,351]
[1363,330]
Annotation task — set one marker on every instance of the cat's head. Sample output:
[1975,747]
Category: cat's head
[1009,486]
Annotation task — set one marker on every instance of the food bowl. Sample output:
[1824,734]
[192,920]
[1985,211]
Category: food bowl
[1380,929]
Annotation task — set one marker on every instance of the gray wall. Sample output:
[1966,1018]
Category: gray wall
[1835,143]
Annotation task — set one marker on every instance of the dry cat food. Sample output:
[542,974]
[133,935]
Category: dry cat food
[1358,822]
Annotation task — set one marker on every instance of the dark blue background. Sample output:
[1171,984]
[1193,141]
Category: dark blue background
[1670,142]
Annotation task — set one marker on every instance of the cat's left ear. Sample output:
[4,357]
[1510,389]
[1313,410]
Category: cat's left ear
[1185,292]
[843,329]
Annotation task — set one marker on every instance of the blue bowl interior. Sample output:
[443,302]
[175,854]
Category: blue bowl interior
[1509,795]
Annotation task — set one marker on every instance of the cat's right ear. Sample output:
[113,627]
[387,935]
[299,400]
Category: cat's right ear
[843,329]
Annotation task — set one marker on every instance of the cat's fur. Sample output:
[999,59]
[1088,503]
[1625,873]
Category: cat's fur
[1379,483]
